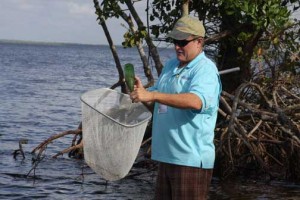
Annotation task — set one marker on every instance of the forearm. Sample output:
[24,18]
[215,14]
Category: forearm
[183,100]
[149,105]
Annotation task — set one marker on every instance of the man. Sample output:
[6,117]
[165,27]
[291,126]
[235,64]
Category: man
[186,98]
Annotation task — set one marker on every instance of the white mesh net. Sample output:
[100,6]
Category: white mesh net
[113,129]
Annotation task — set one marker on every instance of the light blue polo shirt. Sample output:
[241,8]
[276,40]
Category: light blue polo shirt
[185,136]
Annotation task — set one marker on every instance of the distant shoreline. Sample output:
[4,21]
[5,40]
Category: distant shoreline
[46,43]
[29,42]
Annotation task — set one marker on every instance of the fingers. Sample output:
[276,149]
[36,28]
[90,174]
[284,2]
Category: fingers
[139,92]
[134,97]
[138,82]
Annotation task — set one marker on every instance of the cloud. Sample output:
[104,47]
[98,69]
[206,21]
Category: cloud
[58,21]
[82,9]
[50,20]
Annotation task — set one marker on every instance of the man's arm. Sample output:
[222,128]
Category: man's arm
[183,100]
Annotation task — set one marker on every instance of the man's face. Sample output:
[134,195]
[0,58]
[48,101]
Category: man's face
[187,50]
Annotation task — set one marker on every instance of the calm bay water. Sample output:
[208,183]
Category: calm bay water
[40,88]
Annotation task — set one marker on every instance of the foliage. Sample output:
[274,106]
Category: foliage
[113,9]
[239,32]
[131,38]
[250,26]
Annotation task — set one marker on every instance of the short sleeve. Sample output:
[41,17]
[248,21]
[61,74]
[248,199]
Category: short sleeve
[206,85]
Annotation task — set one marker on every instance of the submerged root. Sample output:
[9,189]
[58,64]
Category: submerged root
[76,145]
[20,150]
[74,148]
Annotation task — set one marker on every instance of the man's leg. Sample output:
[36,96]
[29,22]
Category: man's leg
[189,183]
[163,187]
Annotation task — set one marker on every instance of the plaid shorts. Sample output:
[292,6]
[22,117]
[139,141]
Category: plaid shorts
[181,182]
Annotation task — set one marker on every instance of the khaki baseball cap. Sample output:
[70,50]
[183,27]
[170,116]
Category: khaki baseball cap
[185,27]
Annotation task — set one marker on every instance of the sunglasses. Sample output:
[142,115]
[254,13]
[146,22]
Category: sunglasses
[183,43]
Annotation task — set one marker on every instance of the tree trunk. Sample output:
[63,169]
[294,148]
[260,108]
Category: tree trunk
[185,7]
[112,48]
[141,51]
[152,48]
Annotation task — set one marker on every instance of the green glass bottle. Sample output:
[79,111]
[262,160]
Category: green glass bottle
[129,76]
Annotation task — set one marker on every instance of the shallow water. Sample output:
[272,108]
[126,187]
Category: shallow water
[65,178]
[40,88]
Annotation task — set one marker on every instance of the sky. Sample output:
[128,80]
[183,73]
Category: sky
[68,21]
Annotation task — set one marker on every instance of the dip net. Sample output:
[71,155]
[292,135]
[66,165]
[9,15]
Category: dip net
[113,129]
